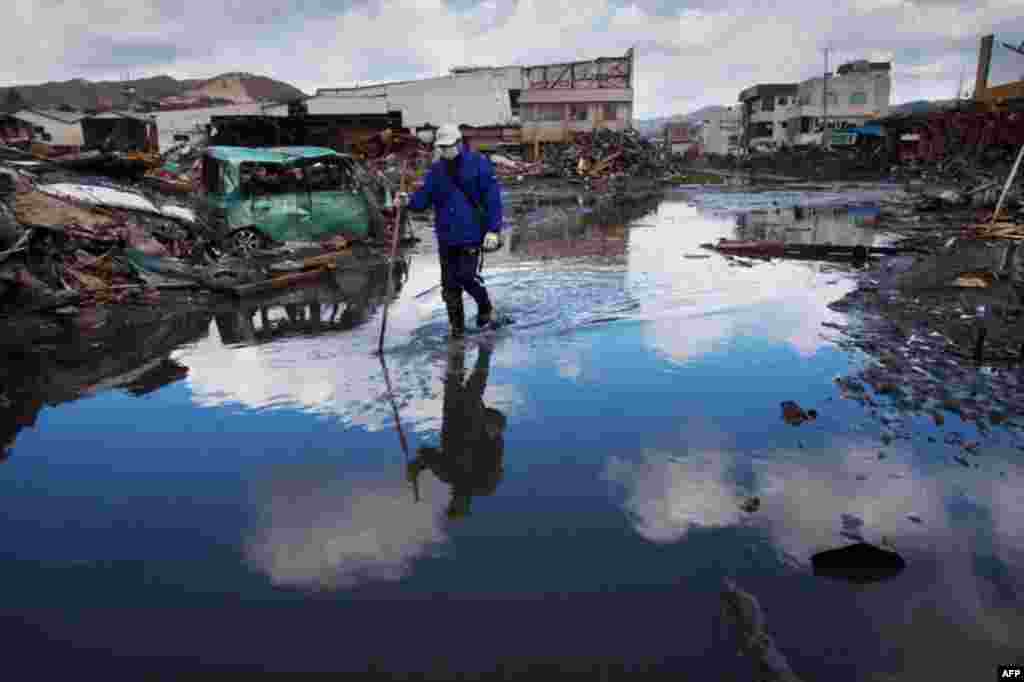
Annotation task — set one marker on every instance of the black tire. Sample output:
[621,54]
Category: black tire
[245,242]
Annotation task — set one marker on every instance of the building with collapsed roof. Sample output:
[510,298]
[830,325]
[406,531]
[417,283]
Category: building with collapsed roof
[120,131]
[505,105]
[53,127]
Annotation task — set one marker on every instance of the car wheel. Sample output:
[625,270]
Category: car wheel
[245,242]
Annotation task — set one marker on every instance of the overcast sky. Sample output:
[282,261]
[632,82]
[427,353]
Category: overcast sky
[691,53]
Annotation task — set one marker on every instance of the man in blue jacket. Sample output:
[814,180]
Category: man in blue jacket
[464,192]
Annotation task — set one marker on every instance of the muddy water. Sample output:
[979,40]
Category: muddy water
[236,493]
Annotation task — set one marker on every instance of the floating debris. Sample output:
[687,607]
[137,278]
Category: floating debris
[743,611]
[861,563]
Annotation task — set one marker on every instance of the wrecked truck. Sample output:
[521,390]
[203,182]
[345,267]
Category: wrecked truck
[255,198]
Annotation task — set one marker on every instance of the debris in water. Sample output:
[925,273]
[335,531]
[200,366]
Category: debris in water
[860,563]
[915,518]
[751,505]
[794,415]
[744,612]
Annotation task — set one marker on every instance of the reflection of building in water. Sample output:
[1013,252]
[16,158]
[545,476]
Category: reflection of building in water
[562,234]
[799,225]
[122,354]
[348,300]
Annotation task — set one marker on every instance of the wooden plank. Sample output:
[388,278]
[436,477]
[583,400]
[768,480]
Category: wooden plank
[325,259]
[281,282]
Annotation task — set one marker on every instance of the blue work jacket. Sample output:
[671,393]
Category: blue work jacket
[455,221]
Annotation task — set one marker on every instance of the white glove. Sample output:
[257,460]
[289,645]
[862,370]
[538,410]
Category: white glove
[401,199]
[491,241]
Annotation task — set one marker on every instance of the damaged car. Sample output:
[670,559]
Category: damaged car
[254,199]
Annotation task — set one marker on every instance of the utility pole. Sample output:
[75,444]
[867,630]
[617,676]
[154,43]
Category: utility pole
[824,103]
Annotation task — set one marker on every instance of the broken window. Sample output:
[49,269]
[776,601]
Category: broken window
[513,102]
[783,101]
[768,104]
[328,174]
[858,99]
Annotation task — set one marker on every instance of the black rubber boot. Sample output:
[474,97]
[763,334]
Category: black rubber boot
[483,315]
[456,314]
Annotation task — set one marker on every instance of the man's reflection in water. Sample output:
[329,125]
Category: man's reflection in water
[470,458]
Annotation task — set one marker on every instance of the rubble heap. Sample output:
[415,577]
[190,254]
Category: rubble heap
[61,248]
[608,152]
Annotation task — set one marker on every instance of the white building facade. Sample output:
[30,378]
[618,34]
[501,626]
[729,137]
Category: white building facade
[764,116]
[468,96]
[57,128]
[720,132]
[174,126]
[857,93]
[776,116]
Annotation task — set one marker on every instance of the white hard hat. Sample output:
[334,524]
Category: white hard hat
[447,135]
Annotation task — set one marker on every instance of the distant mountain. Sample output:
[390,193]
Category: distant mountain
[237,88]
[922,106]
[698,116]
[656,126]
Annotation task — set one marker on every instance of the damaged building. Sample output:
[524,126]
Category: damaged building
[120,131]
[795,114]
[504,106]
[720,132]
[53,128]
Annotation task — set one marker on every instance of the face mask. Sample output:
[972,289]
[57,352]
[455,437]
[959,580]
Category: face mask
[449,153]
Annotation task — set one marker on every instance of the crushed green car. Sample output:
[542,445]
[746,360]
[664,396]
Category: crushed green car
[253,198]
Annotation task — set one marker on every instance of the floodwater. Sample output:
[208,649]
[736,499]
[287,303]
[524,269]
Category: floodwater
[229,488]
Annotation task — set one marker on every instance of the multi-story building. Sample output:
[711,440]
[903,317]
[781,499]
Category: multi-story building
[775,116]
[560,99]
[720,132]
[858,93]
[763,115]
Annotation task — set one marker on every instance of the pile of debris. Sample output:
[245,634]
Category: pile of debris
[177,171]
[69,243]
[606,153]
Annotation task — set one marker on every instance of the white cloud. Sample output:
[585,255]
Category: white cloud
[804,496]
[686,60]
[299,374]
[667,496]
[339,534]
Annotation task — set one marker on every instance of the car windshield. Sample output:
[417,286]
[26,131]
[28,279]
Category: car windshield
[328,174]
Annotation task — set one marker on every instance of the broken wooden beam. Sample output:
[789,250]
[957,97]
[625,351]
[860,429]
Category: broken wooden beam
[280,282]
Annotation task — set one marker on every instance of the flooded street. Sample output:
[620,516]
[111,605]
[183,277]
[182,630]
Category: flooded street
[228,488]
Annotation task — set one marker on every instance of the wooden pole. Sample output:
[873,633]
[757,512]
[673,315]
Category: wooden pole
[398,424]
[1006,187]
[391,261]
